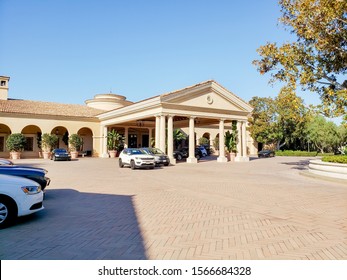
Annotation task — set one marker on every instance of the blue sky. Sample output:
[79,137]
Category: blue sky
[67,51]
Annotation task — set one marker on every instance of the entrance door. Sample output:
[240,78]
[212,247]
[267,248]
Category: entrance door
[132,141]
[145,140]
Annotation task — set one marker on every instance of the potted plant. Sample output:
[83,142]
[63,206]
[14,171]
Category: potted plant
[76,142]
[114,140]
[231,142]
[48,142]
[15,144]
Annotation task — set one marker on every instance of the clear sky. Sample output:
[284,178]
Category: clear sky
[67,51]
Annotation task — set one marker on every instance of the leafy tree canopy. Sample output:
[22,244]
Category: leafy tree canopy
[317,61]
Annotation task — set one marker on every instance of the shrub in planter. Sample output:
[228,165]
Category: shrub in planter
[15,144]
[48,142]
[76,142]
[114,141]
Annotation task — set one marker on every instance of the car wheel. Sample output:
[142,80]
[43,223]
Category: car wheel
[132,165]
[179,157]
[121,165]
[7,212]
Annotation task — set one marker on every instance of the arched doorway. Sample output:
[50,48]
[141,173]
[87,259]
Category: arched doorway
[63,136]
[32,147]
[5,131]
[87,136]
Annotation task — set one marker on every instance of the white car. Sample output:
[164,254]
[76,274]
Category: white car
[136,158]
[18,197]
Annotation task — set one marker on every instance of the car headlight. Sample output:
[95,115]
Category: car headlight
[31,189]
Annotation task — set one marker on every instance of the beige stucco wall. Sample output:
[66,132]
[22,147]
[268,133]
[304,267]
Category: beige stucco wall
[89,130]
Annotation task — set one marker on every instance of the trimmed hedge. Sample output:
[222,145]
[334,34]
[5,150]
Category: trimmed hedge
[296,153]
[335,159]
[290,153]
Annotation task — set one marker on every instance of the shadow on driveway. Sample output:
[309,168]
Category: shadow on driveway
[74,225]
[300,165]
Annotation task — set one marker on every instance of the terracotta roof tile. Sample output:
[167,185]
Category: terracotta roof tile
[47,108]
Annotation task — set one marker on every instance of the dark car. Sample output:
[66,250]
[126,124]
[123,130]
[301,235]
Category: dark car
[184,153]
[159,157]
[266,153]
[36,174]
[60,154]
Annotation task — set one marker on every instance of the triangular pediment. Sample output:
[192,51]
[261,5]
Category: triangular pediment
[209,95]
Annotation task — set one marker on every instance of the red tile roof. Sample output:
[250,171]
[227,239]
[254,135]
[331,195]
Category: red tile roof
[47,108]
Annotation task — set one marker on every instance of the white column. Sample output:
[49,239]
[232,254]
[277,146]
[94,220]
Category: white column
[170,139]
[244,142]
[126,137]
[239,143]
[104,142]
[221,157]
[150,131]
[191,158]
[157,131]
[162,141]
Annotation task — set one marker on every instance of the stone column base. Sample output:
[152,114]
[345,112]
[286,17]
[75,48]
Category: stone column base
[192,160]
[222,159]
[172,161]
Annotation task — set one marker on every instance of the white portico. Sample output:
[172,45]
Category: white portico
[206,105]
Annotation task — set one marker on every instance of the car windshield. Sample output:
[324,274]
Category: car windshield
[136,152]
[60,151]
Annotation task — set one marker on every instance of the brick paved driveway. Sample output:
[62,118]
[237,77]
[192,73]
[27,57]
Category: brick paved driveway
[263,209]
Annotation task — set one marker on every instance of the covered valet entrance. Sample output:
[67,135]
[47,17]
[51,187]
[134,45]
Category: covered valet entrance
[152,121]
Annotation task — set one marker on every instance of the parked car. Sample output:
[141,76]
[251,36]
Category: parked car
[266,153]
[4,161]
[184,153]
[36,174]
[159,156]
[18,197]
[136,158]
[203,150]
[60,154]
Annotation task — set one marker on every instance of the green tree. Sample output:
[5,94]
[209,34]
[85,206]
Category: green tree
[317,60]
[323,134]
[281,121]
[291,118]
[263,123]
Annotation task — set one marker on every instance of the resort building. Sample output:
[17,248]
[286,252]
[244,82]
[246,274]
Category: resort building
[205,110]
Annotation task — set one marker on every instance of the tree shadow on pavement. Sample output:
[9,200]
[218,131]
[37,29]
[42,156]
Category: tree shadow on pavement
[75,225]
[300,165]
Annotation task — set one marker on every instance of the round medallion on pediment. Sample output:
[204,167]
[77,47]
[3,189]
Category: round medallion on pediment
[209,99]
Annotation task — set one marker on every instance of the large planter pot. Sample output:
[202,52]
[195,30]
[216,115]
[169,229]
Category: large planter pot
[74,155]
[46,155]
[112,153]
[230,156]
[15,155]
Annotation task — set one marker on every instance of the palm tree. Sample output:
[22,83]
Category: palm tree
[178,137]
